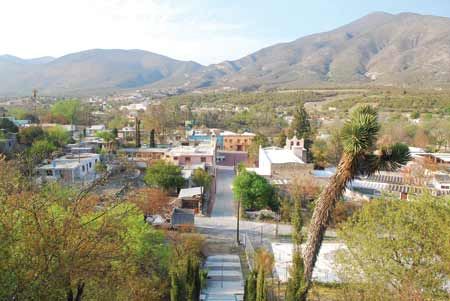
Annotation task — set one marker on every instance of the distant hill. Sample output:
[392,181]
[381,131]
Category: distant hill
[380,49]
[91,70]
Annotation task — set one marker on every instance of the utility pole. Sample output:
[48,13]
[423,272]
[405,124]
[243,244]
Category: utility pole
[237,225]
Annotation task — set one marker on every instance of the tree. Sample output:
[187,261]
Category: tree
[253,151]
[152,138]
[30,134]
[57,243]
[115,132]
[164,175]
[254,191]
[201,177]
[70,110]
[296,286]
[300,126]
[398,250]
[319,151]
[359,136]
[108,138]
[281,139]
[58,136]
[150,200]
[8,126]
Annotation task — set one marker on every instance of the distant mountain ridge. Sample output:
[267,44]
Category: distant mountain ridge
[380,49]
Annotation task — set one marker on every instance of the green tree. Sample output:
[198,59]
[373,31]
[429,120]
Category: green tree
[300,124]
[59,244]
[398,250]
[152,138]
[281,139]
[57,136]
[30,134]
[201,177]
[296,285]
[254,191]
[70,110]
[253,151]
[360,156]
[164,175]
[8,126]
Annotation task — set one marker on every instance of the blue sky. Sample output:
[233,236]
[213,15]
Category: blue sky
[200,30]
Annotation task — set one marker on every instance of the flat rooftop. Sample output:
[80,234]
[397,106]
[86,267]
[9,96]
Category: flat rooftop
[278,155]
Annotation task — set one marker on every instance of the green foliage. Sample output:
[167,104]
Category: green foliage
[254,191]
[300,125]
[55,245]
[186,280]
[258,141]
[57,136]
[107,136]
[250,287]
[30,134]
[8,126]
[399,248]
[296,286]
[261,291]
[152,138]
[70,110]
[164,175]
[201,177]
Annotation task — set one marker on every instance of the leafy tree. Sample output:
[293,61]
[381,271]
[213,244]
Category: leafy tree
[201,177]
[58,244]
[68,109]
[254,191]
[152,138]
[8,126]
[360,156]
[319,153]
[398,250]
[57,136]
[115,132]
[30,134]
[164,175]
[108,138]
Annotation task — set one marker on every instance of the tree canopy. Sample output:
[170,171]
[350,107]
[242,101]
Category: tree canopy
[398,249]
[164,175]
[254,191]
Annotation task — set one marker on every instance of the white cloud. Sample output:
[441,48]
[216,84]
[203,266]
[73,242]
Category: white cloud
[183,29]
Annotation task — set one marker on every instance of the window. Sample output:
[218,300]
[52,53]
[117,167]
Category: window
[49,172]
[83,168]
[298,143]
[203,159]
[187,159]
[90,164]
[239,141]
[175,158]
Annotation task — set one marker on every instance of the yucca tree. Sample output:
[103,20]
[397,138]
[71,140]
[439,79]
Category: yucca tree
[360,157]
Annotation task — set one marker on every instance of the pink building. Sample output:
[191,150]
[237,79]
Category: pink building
[192,155]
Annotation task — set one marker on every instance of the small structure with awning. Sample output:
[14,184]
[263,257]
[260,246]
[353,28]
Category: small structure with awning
[191,198]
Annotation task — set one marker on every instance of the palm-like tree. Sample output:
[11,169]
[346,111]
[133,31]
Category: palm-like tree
[360,157]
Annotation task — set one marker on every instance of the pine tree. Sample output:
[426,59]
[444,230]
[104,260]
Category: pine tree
[296,287]
[197,282]
[152,138]
[300,124]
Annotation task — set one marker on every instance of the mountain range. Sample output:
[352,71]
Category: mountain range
[379,49]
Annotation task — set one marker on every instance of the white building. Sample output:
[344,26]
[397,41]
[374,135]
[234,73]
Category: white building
[94,129]
[71,168]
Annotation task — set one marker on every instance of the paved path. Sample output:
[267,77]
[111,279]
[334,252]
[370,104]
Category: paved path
[224,206]
[225,280]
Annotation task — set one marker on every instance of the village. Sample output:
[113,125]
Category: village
[195,169]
